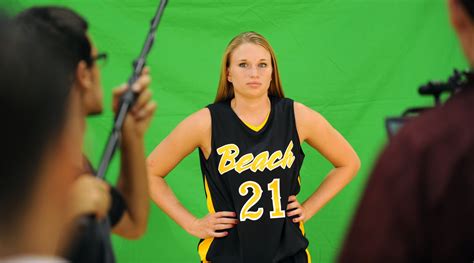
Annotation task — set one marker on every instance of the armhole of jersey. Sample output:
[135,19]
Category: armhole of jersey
[205,244]
[296,127]
[301,225]
[212,132]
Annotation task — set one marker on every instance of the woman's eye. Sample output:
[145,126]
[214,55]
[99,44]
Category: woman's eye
[243,65]
[262,65]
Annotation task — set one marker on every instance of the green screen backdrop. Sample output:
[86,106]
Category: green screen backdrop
[354,61]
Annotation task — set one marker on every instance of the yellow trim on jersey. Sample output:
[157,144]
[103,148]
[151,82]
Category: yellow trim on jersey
[259,127]
[302,231]
[206,243]
[210,205]
[309,255]
[204,248]
[302,227]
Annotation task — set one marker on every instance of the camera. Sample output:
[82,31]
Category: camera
[456,82]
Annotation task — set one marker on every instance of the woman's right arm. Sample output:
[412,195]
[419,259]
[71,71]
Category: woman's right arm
[193,132]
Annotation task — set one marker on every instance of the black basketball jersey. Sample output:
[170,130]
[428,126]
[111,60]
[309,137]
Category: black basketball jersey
[252,173]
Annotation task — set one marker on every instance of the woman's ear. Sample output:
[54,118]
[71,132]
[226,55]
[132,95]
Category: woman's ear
[229,77]
[459,17]
[83,75]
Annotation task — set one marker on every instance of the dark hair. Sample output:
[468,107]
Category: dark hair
[34,94]
[469,6]
[65,26]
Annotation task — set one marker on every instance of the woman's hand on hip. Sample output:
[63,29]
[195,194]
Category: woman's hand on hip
[213,225]
[295,209]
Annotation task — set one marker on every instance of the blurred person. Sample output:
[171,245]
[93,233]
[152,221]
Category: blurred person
[41,138]
[419,202]
[126,206]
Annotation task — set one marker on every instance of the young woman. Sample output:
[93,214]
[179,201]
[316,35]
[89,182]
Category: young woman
[250,151]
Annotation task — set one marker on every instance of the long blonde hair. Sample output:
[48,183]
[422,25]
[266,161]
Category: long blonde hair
[225,90]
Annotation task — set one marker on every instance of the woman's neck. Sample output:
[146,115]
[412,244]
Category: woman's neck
[253,111]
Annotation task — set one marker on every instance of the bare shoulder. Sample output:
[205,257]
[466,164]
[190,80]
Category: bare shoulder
[314,129]
[197,127]
[301,110]
[190,133]
[305,114]
[309,121]
[201,119]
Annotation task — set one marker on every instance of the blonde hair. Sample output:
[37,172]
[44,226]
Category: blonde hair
[225,90]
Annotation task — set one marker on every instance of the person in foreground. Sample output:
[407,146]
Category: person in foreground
[419,202]
[41,138]
[125,207]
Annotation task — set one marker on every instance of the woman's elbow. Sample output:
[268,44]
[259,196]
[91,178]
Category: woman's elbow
[355,165]
[139,231]
[135,232]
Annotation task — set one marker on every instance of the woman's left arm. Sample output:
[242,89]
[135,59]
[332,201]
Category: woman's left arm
[319,134]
